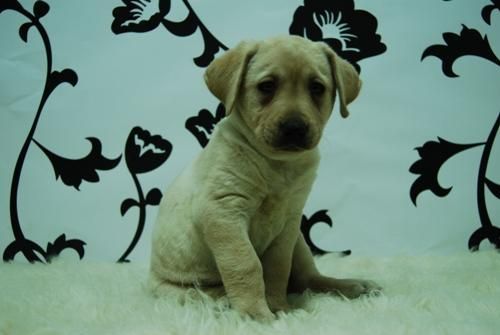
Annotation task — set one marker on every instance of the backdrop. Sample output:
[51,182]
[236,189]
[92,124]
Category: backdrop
[102,104]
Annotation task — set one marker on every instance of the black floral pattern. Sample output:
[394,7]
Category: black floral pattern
[73,171]
[306,225]
[51,251]
[468,43]
[21,244]
[488,9]
[141,16]
[202,125]
[434,155]
[143,153]
[350,32]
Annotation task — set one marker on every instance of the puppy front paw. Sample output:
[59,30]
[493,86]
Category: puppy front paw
[278,304]
[257,310]
[263,315]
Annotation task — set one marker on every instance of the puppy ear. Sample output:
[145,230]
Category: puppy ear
[224,76]
[346,79]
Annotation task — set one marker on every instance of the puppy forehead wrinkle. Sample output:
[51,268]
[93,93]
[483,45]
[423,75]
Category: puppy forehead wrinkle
[294,63]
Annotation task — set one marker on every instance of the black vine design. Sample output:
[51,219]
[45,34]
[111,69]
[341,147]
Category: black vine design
[32,251]
[143,153]
[350,32]
[469,42]
[432,157]
[434,154]
[141,16]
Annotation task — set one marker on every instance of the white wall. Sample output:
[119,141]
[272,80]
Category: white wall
[149,80]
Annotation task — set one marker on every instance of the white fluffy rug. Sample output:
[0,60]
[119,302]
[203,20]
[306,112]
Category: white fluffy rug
[457,294]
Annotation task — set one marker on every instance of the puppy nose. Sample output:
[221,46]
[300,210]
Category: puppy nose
[293,132]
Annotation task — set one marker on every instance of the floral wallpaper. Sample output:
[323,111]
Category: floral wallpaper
[174,117]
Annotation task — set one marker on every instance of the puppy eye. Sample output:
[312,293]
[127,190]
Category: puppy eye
[267,87]
[316,88]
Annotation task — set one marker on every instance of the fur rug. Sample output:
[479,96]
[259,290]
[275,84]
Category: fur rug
[454,294]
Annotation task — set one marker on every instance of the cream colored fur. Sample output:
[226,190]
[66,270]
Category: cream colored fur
[231,219]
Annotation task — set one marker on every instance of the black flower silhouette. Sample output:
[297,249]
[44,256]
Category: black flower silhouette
[139,15]
[202,125]
[433,155]
[144,152]
[350,32]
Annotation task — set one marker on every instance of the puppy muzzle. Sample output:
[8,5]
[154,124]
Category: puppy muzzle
[293,134]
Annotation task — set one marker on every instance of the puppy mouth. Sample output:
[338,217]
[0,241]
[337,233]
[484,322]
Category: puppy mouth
[293,135]
[292,146]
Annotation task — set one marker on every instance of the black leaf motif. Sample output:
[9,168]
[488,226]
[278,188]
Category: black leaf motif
[139,16]
[10,4]
[433,155]
[40,9]
[73,171]
[490,233]
[144,152]
[54,249]
[202,125]
[350,32]
[212,47]
[23,30]
[183,28]
[493,187]
[32,251]
[127,204]
[58,77]
[468,43]
[187,27]
[486,12]
[306,225]
[153,197]
[35,253]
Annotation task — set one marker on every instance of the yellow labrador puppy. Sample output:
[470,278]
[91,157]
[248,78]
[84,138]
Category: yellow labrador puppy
[232,218]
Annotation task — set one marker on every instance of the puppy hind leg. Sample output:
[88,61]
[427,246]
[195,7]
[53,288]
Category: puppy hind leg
[305,275]
[276,263]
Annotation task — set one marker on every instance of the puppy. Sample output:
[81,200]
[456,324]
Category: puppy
[232,218]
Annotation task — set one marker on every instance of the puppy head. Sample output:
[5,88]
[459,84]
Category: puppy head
[283,89]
